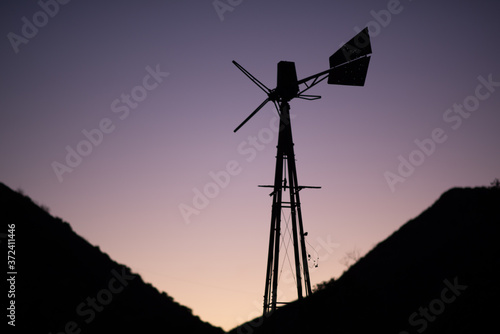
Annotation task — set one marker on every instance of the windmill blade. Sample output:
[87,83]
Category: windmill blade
[251,77]
[357,47]
[252,114]
[350,74]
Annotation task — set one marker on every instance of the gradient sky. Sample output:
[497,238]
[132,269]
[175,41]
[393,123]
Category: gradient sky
[429,73]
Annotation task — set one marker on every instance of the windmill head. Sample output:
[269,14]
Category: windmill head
[348,66]
[287,86]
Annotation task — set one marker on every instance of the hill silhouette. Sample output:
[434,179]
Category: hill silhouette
[437,274]
[66,285]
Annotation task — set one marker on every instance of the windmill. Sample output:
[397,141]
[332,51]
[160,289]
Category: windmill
[348,66]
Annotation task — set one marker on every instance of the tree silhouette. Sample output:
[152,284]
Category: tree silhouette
[495,183]
[323,285]
[351,258]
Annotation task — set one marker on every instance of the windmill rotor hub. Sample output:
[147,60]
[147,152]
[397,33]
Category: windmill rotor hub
[273,96]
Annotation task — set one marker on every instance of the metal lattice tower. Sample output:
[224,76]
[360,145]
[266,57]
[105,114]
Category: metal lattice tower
[348,66]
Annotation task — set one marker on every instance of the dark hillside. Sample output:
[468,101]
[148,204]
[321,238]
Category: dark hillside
[437,274]
[66,285]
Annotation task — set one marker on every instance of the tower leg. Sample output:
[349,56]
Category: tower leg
[301,234]
[270,295]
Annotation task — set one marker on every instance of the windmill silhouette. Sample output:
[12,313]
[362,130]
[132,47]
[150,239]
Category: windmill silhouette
[348,66]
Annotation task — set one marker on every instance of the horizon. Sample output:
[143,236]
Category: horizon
[120,119]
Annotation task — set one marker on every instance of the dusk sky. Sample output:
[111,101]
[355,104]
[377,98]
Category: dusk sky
[119,116]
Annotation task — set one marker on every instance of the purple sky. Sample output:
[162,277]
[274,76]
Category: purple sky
[155,78]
